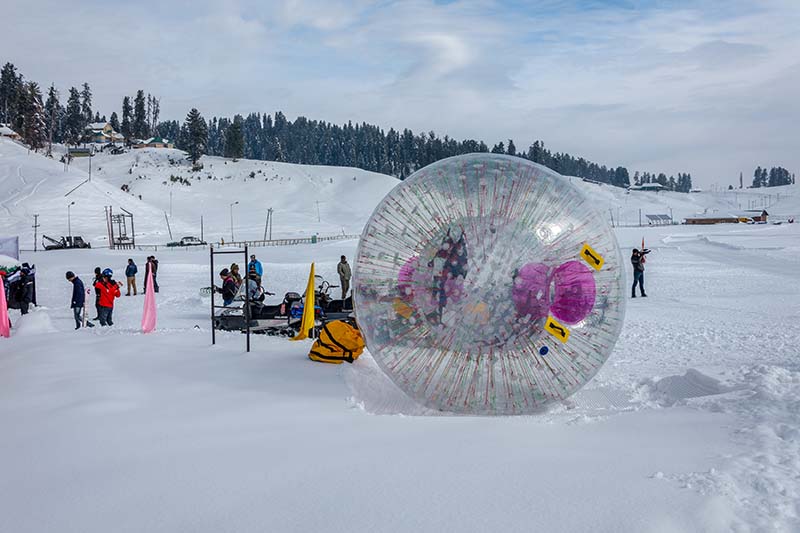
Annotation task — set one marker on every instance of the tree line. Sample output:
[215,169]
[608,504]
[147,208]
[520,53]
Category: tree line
[775,177]
[275,138]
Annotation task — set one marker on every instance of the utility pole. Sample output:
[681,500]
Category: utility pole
[268,224]
[318,217]
[35,232]
[201,228]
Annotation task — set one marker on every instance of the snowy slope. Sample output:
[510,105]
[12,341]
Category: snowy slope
[33,184]
[347,196]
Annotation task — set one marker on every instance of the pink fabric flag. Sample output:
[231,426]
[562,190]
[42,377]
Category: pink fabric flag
[4,329]
[149,314]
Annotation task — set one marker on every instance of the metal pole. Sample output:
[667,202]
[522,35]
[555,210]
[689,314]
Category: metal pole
[201,228]
[168,228]
[231,206]
[640,217]
[247,300]
[671,220]
[270,223]
[266,225]
[170,203]
[69,221]
[35,233]
[213,324]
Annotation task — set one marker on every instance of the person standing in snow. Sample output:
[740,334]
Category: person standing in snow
[637,260]
[255,265]
[235,275]
[25,289]
[344,276]
[152,264]
[98,277]
[109,290]
[229,288]
[130,274]
[78,300]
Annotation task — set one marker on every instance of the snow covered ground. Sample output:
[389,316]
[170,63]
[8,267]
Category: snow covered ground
[692,425]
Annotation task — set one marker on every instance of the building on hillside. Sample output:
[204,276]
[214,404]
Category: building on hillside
[5,131]
[757,215]
[712,219]
[155,142]
[102,133]
[652,187]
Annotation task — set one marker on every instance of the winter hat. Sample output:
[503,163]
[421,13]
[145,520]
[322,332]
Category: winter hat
[70,274]
[224,272]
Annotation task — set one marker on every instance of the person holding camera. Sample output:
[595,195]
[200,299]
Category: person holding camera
[638,260]
[108,290]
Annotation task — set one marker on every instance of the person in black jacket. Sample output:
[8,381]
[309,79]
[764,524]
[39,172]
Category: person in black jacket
[637,260]
[78,300]
[229,288]
[97,277]
[25,289]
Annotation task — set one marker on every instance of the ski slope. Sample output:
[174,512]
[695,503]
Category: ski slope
[692,425]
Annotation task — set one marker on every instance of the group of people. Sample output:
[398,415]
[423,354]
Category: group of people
[106,290]
[232,281]
[20,287]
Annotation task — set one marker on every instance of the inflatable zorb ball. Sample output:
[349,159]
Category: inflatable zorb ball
[487,284]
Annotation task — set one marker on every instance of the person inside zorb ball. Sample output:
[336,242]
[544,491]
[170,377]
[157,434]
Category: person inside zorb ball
[487,284]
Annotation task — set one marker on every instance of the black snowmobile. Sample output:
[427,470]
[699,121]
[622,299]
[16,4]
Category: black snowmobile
[332,309]
[269,319]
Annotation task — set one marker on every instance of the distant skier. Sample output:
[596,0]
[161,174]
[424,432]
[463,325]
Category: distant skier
[109,290]
[637,260]
[130,274]
[343,269]
[229,288]
[78,301]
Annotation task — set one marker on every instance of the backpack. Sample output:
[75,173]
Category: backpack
[338,341]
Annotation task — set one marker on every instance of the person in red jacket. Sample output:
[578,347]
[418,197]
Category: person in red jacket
[108,289]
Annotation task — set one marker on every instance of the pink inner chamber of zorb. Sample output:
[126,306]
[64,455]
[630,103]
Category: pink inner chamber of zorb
[487,284]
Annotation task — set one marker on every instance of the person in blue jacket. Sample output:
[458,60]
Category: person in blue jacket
[130,273]
[78,300]
[255,263]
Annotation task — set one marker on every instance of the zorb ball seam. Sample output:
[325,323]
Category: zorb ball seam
[487,284]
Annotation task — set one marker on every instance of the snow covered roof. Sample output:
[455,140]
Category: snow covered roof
[648,187]
[97,125]
[156,140]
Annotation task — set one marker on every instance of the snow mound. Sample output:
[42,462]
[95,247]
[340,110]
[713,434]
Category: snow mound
[37,322]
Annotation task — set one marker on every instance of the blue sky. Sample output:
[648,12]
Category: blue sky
[707,87]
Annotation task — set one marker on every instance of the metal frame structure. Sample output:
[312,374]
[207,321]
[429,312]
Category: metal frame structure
[214,307]
[121,241]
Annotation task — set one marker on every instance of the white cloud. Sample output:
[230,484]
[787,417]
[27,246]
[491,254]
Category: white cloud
[707,88]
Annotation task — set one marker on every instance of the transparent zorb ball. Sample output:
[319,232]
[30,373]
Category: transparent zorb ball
[487,284]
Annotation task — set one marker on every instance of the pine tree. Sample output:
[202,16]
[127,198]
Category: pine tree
[86,104]
[757,178]
[74,120]
[234,140]
[196,135]
[34,129]
[126,128]
[52,116]
[10,88]
[512,150]
[140,129]
[114,121]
